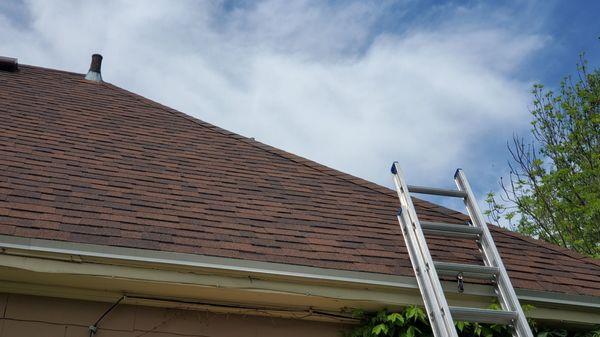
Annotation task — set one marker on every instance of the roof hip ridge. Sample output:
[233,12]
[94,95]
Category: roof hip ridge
[265,147]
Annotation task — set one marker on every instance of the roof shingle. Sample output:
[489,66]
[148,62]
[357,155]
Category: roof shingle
[92,163]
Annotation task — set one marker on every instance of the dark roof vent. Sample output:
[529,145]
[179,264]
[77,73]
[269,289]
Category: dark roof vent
[94,72]
[9,64]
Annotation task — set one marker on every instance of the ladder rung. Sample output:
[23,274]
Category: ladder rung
[450,230]
[437,191]
[468,270]
[482,315]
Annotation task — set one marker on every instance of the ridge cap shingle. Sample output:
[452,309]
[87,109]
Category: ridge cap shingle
[53,70]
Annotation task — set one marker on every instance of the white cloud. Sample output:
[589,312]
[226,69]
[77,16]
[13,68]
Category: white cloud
[307,77]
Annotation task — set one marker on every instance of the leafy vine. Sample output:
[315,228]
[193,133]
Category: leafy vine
[412,322]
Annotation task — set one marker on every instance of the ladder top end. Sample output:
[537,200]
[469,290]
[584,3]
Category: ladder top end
[458,170]
[394,169]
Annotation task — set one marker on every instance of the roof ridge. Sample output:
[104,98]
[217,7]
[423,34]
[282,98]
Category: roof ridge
[282,153]
[337,173]
[265,147]
[52,69]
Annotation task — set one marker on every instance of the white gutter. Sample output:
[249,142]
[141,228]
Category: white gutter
[204,262]
[247,268]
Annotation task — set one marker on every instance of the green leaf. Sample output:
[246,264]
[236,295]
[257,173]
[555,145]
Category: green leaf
[395,318]
[411,312]
[380,328]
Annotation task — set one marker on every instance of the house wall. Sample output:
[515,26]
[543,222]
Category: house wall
[24,316]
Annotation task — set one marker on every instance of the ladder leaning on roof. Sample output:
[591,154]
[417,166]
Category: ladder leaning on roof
[442,316]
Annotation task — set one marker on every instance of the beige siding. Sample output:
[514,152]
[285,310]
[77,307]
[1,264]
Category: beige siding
[24,316]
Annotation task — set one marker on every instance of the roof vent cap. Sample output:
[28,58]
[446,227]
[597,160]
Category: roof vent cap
[9,64]
[94,72]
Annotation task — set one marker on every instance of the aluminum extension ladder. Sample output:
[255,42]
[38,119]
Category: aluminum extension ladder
[442,316]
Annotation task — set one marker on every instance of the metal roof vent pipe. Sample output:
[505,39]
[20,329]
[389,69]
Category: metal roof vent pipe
[94,72]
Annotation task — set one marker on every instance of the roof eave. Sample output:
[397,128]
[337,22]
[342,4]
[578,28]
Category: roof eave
[327,289]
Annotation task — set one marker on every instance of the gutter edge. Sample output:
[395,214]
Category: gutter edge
[112,254]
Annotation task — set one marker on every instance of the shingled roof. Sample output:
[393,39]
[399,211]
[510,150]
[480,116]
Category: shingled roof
[89,162]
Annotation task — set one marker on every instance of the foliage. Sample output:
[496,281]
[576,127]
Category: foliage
[412,322]
[554,188]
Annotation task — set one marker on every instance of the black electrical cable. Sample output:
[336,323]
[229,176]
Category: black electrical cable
[232,306]
[94,327]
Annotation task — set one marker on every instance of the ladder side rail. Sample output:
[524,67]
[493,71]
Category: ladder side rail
[414,230]
[418,264]
[426,282]
[508,297]
[425,285]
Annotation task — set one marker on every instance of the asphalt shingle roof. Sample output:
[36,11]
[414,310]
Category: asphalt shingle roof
[92,163]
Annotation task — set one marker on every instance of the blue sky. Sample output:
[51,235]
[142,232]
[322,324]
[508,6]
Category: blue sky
[354,85]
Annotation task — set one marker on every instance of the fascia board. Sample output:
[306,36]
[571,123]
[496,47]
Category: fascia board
[246,268]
